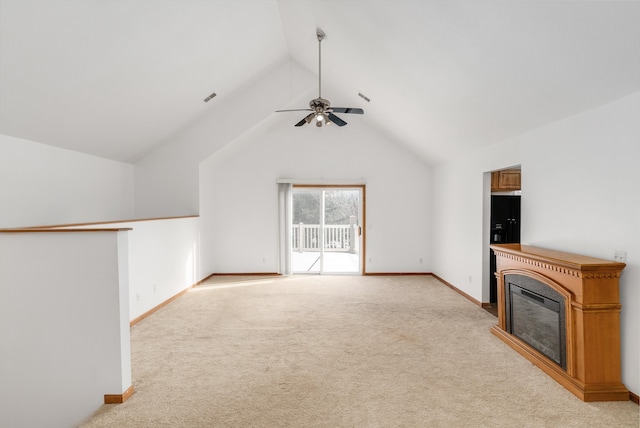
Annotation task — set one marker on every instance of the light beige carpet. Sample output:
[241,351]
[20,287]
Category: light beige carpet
[338,351]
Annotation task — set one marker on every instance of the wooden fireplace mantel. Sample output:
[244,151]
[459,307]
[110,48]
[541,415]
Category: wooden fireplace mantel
[592,306]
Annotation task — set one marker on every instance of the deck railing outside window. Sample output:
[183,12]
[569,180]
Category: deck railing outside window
[337,237]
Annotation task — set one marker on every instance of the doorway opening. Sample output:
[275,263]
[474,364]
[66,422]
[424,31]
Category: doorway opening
[503,222]
[327,229]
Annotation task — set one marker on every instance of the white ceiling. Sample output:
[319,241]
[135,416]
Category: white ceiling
[116,78]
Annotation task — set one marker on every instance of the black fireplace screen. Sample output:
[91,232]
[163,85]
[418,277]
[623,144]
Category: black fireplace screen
[535,313]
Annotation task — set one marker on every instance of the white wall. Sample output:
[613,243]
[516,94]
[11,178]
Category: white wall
[163,260]
[460,201]
[64,325]
[580,180]
[167,178]
[239,198]
[41,185]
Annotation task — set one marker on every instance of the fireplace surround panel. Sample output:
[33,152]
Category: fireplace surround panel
[561,311]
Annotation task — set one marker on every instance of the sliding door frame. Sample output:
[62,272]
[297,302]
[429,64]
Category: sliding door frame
[363,228]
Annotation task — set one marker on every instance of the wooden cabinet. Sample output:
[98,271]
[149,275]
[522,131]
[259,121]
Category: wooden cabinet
[495,181]
[505,180]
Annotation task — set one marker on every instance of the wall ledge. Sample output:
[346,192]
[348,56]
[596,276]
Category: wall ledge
[95,223]
[43,230]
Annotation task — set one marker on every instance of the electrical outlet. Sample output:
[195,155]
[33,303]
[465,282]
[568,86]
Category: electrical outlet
[470,278]
[137,297]
[420,260]
[620,256]
[154,288]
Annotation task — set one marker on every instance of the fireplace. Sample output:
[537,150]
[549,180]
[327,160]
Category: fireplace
[561,311]
[535,313]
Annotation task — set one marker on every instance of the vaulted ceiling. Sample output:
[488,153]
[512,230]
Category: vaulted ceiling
[117,78]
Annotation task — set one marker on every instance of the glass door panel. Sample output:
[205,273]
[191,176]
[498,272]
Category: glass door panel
[305,230]
[341,231]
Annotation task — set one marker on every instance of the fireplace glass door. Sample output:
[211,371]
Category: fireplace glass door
[535,314]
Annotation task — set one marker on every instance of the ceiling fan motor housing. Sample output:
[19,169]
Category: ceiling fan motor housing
[319,105]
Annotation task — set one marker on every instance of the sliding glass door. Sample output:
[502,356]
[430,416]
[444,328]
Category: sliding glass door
[326,231]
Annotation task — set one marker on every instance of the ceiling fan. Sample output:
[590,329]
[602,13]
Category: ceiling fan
[320,108]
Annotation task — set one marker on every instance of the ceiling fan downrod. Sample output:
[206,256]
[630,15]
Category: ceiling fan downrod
[321,36]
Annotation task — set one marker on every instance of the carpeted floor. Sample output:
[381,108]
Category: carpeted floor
[338,351]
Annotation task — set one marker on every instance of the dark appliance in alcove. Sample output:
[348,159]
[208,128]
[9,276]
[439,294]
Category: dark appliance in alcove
[505,229]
